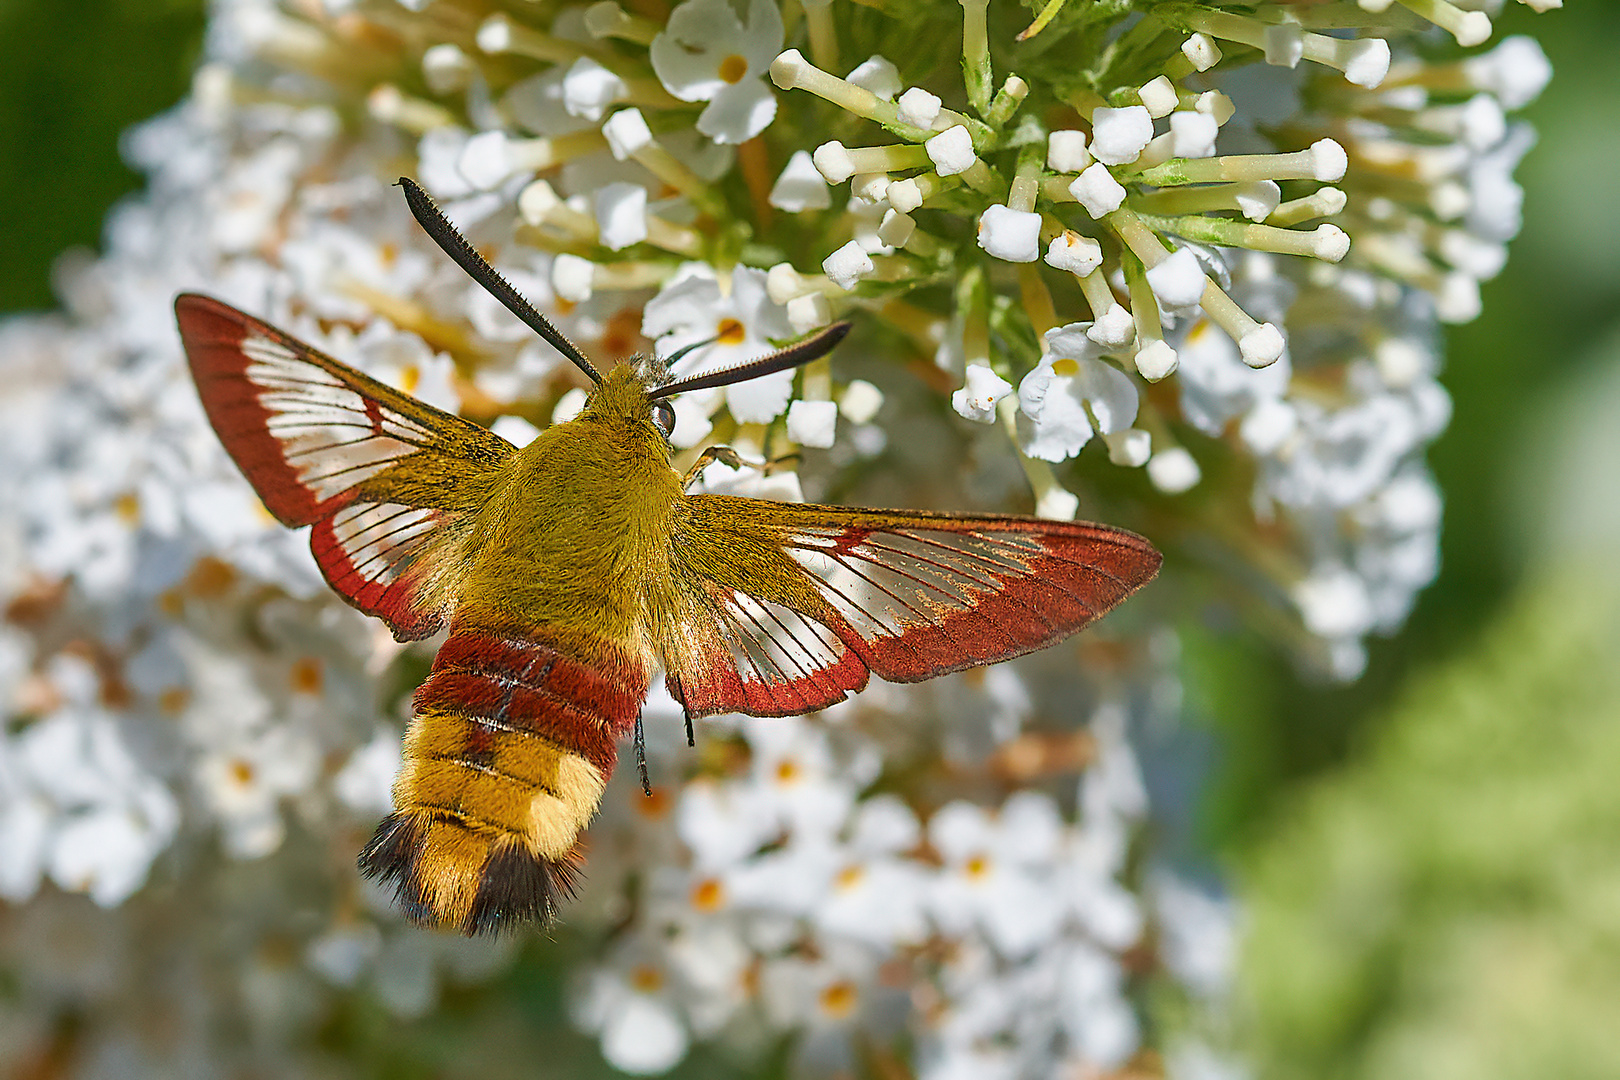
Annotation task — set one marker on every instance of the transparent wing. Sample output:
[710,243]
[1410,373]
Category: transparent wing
[785,608]
[377,473]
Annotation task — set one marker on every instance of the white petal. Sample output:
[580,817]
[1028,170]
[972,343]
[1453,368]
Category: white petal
[1097,190]
[643,1037]
[738,113]
[589,88]
[1110,393]
[761,400]
[801,186]
[621,215]
[1012,235]
[977,398]
[883,79]
[1118,135]
[813,423]
[1178,281]
[763,38]
[686,56]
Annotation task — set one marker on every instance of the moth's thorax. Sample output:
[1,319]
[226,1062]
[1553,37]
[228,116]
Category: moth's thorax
[578,529]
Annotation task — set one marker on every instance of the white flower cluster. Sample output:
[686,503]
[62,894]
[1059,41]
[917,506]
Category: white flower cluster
[189,709]
[806,903]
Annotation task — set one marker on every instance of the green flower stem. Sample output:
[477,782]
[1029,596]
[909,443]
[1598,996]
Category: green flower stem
[914,191]
[388,105]
[1323,202]
[1300,165]
[818,20]
[612,21]
[1142,241]
[1026,178]
[1326,242]
[1187,200]
[1144,305]
[1037,299]
[791,71]
[1008,98]
[976,73]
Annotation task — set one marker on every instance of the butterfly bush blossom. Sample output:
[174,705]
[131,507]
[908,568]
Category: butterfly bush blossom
[1174,266]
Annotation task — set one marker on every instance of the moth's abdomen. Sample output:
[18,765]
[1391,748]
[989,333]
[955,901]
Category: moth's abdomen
[506,757]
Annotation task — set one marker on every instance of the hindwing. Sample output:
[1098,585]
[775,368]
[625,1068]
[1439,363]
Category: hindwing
[785,608]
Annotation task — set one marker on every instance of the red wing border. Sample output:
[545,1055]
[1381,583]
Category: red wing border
[378,474]
[789,607]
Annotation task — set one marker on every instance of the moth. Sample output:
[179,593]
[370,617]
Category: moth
[567,571]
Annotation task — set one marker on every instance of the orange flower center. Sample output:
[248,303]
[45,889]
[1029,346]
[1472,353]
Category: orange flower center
[978,866]
[787,771]
[733,68]
[306,676]
[242,772]
[648,980]
[730,332]
[708,895]
[128,508]
[850,876]
[1065,366]
[838,1000]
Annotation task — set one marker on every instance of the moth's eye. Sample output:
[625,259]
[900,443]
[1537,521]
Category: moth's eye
[663,414]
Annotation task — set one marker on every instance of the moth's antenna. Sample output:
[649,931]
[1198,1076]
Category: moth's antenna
[436,225]
[802,352]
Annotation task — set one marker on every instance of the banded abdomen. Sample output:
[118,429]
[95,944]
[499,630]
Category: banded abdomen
[512,741]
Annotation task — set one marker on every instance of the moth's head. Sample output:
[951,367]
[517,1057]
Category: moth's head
[639,389]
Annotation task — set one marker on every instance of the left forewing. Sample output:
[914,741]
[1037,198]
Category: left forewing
[380,475]
[784,608]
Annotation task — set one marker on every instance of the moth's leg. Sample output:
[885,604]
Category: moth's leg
[690,740]
[736,461]
[641,757]
[714,453]
[778,462]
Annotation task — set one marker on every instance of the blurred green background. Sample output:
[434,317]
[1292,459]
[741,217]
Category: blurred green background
[1429,856]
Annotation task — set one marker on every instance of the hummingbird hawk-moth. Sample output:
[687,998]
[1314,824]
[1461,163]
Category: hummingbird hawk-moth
[567,571]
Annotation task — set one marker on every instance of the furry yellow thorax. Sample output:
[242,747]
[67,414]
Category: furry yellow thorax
[577,532]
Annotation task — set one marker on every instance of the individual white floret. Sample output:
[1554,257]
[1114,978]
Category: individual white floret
[1156,360]
[951,151]
[1075,253]
[1261,347]
[834,162]
[813,423]
[627,133]
[621,215]
[1201,51]
[1113,328]
[980,391]
[808,312]
[918,108]
[1013,235]
[1159,97]
[1131,448]
[847,265]
[1097,191]
[1173,471]
[1178,280]
[1118,135]
[1192,134]
[571,277]
[1066,151]
[1256,199]
[801,186]
[878,75]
